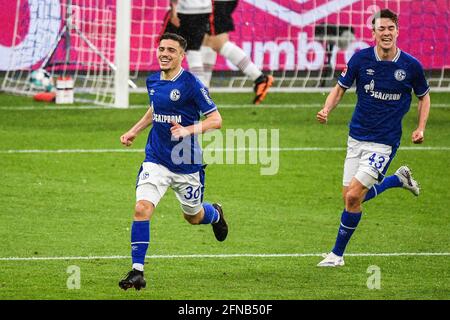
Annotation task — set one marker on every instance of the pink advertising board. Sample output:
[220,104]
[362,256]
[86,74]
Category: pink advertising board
[278,34]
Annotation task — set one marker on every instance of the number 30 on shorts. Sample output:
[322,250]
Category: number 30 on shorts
[377,161]
[190,193]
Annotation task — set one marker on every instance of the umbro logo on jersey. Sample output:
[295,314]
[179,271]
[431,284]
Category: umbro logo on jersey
[175,95]
[400,74]
[370,72]
[152,92]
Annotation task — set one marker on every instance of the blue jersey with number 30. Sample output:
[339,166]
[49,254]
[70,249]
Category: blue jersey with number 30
[182,100]
[384,90]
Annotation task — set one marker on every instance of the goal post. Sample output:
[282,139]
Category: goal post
[122,53]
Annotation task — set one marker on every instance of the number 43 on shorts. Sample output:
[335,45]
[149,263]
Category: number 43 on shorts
[377,161]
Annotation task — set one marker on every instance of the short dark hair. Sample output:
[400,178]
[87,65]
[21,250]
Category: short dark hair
[385,13]
[173,36]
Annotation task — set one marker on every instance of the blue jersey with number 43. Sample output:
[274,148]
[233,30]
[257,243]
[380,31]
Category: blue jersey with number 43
[182,100]
[384,90]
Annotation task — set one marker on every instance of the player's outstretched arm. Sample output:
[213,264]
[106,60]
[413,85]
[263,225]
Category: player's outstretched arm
[128,137]
[424,109]
[173,13]
[213,121]
[331,102]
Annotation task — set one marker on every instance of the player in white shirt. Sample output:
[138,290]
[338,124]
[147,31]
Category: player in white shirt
[190,19]
[218,41]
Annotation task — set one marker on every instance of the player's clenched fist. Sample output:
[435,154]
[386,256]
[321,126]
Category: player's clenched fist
[127,139]
[322,116]
[417,136]
[178,131]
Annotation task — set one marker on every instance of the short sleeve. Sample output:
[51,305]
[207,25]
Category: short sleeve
[349,74]
[419,82]
[202,99]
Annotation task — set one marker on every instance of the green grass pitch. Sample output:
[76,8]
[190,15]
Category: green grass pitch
[80,204]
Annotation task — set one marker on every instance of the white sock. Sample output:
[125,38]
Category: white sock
[238,57]
[209,57]
[194,59]
[138,266]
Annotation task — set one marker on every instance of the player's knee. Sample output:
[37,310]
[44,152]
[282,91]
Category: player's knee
[352,199]
[143,210]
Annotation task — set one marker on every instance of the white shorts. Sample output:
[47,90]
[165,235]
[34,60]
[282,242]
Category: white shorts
[366,161]
[154,179]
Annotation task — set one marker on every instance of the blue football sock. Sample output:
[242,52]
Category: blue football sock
[349,222]
[140,238]
[211,214]
[388,182]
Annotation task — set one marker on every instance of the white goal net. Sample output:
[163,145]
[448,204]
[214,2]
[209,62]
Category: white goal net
[67,38]
[303,43]
[306,43]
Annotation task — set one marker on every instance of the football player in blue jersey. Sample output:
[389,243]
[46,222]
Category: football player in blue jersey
[385,77]
[172,154]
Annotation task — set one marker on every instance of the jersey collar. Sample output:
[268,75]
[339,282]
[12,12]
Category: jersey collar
[174,78]
[397,55]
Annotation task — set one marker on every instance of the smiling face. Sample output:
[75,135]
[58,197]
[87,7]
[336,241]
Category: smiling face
[170,55]
[385,33]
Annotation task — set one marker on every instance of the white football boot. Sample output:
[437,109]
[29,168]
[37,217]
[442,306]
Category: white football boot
[405,175]
[331,260]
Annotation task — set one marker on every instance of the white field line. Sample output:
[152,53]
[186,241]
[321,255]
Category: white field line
[221,106]
[228,256]
[294,149]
